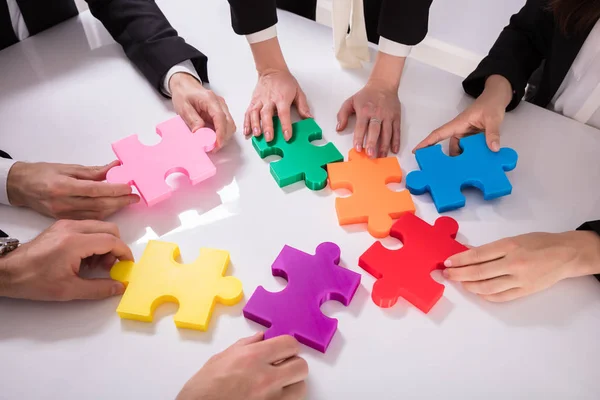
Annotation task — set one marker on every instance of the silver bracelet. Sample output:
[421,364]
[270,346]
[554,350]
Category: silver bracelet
[7,245]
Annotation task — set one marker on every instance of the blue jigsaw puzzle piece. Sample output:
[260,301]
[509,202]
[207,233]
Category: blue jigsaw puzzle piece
[444,177]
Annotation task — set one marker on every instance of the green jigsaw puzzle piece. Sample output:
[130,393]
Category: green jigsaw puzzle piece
[300,159]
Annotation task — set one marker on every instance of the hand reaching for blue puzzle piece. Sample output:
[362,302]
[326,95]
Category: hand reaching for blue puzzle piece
[478,166]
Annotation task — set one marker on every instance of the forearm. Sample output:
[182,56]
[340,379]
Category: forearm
[387,70]
[5,277]
[268,56]
[498,88]
[6,165]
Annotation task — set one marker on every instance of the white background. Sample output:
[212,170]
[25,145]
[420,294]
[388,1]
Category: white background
[69,92]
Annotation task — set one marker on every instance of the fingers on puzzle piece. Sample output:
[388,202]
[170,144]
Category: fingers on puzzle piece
[147,167]
[371,200]
[157,278]
[406,272]
[478,166]
[312,280]
[300,160]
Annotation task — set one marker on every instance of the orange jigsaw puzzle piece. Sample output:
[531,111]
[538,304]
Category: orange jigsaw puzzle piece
[371,200]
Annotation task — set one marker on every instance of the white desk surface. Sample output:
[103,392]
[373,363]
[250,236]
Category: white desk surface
[69,92]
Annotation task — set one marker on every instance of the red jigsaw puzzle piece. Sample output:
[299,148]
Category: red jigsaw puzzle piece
[407,272]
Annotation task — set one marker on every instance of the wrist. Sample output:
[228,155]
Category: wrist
[268,56]
[182,79]
[5,277]
[499,89]
[586,245]
[14,182]
[387,71]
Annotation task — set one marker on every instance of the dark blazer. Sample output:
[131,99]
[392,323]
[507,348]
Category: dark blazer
[532,44]
[402,21]
[139,26]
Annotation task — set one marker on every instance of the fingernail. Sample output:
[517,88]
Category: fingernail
[337,127]
[134,200]
[396,149]
[246,130]
[445,273]
[118,288]
[286,135]
[255,130]
[370,152]
[495,146]
[447,263]
[358,147]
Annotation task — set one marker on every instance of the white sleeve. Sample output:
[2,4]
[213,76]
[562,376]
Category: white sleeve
[186,67]
[393,48]
[5,166]
[263,35]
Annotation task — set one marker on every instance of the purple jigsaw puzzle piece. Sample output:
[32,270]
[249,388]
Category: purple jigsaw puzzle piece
[312,280]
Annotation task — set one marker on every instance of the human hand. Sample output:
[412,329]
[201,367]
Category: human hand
[522,265]
[377,109]
[274,94]
[251,369]
[199,106]
[67,191]
[48,267]
[485,114]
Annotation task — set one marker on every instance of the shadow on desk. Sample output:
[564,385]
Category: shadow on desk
[55,321]
[554,307]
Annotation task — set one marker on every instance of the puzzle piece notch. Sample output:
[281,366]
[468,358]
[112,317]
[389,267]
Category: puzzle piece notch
[406,272]
[477,166]
[312,280]
[147,167]
[157,278]
[301,160]
[371,200]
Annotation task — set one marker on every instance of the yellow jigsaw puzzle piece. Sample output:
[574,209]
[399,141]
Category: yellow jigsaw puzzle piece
[157,278]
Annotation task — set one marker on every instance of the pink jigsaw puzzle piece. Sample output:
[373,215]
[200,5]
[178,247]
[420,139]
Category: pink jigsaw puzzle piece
[147,167]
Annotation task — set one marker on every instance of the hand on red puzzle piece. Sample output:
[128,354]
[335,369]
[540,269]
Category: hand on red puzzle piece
[522,265]
[407,272]
[484,115]
[200,107]
[67,191]
[251,369]
[48,267]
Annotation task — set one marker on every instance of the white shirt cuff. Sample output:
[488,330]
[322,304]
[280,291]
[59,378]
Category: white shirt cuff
[5,166]
[263,35]
[393,48]
[186,67]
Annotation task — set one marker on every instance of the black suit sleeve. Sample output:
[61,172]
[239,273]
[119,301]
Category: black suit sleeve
[591,226]
[148,39]
[404,21]
[518,51]
[251,16]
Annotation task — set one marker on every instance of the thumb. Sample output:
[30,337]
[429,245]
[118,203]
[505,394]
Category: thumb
[95,173]
[302,104]
[492,135]
[342,117]
[455,127]
[96,289]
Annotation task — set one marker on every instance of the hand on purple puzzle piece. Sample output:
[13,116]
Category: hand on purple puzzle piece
[312,280]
